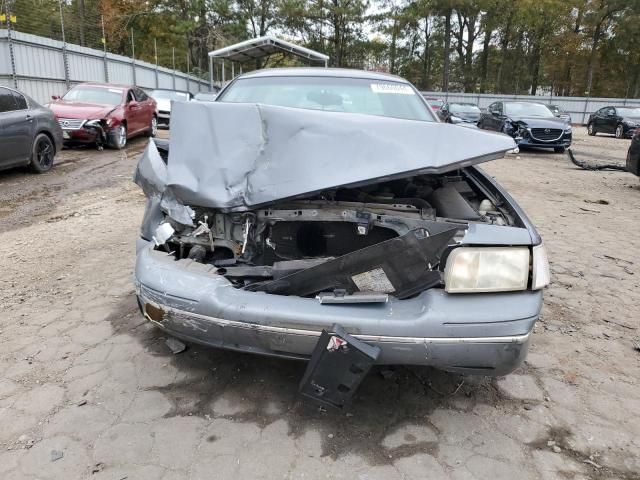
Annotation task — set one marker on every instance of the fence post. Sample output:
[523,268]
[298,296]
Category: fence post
[65,60]
[188,71]
[173,55]
[12,57]
[104,46]
[133,58]
[155,52]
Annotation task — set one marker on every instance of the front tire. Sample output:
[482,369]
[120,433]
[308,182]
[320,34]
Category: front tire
[42,154]
[591,130]
[558,149]
[118,137]
[620,131]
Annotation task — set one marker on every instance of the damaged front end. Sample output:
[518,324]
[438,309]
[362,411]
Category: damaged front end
[274,228]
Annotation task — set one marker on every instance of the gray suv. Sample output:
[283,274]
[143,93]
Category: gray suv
[29,132]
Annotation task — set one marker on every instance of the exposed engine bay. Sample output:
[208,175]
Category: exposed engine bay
[344,244]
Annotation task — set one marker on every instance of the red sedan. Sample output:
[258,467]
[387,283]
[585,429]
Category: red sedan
[105,114]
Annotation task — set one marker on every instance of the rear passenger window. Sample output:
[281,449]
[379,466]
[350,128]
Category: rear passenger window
[7,102]
[21,102]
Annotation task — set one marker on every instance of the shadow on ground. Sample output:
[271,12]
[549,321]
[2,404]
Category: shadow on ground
[261,390]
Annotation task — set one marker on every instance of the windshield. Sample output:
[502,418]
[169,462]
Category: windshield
[463,108]
[100,95]
[205,97]
[335,94]
[170,95]
[526,109]
[628,112]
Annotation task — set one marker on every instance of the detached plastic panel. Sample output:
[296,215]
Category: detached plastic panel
[338,365]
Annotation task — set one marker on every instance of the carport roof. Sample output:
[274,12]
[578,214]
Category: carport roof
[264,46]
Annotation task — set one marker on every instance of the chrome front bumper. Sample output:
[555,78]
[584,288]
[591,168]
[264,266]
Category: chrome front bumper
[189,301]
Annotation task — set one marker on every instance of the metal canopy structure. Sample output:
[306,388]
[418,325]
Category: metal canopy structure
[257,48]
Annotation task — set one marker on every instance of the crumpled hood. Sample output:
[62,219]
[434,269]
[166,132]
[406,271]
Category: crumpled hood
[163,104]
[537,122]
[236,157]
[81,110]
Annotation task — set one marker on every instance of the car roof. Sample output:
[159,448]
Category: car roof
[323,72]
[168,90]
[103,85]
[524,101]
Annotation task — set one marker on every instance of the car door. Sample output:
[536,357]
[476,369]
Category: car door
[608,120]
[147,107]
[16,128]
[495,116]
[135,113]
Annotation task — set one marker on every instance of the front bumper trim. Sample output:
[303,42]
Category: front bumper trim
[221,322]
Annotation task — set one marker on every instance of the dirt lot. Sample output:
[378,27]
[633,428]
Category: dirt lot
[89,390]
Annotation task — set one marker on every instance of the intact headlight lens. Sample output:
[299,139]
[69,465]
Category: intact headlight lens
[567,129]
[541,274]
[487,269]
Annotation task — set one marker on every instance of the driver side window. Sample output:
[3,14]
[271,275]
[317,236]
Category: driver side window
[496,108]
[130,97]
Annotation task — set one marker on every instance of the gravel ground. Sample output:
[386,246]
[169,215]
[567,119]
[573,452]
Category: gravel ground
[88,389]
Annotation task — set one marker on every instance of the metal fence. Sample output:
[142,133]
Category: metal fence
[42,67]
[578,107]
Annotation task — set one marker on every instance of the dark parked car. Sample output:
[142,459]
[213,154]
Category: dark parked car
[305,197]
[29,133]
[435,103]
[530,124]
[621,121]
[467,113]
[105,114]
[560,112]
[633,155]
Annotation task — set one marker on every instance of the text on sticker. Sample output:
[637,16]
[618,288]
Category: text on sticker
[393,88]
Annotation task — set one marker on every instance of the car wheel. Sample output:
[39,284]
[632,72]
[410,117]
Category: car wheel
[591,130]
[558,149]
[619,131]
[118,137]
[42,154]
[153,130]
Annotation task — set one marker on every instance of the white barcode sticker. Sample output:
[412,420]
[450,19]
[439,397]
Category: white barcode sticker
[373,281]
[393,88]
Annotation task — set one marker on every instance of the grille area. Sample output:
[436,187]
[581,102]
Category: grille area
[546,134]
[71,123]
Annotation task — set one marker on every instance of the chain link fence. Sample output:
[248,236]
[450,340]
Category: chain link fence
[89,23]
[46,46]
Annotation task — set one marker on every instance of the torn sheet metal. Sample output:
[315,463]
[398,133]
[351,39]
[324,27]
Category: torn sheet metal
[235,156]
[404,262]
[337,366]
[151,176]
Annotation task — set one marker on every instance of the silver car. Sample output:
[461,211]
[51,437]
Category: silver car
[164,98]
[302,199]
[29,133]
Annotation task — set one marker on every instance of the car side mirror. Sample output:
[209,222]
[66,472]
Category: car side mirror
[495,113]
[55,97]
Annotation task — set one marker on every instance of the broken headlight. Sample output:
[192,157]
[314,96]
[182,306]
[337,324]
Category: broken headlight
[487,269]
